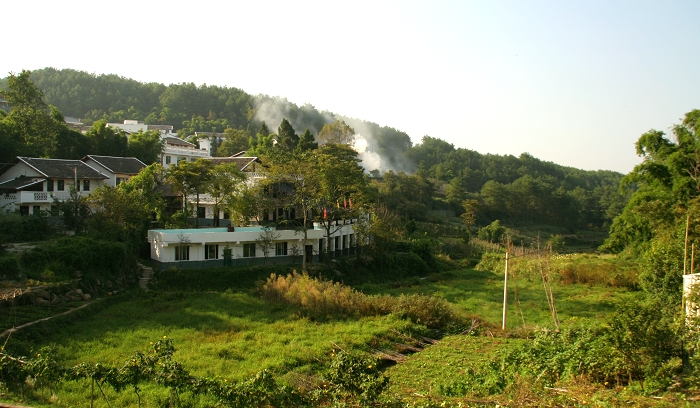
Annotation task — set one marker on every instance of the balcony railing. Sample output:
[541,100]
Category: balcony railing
[24,197]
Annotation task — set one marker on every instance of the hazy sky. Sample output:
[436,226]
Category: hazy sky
[571,82]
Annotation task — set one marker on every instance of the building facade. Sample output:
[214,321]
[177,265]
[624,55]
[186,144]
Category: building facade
[252,245]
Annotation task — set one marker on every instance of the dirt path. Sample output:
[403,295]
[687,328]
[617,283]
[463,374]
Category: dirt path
[8,332]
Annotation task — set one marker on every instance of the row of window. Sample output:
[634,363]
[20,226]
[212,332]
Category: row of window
[168,159]
[60,185]
[182,252]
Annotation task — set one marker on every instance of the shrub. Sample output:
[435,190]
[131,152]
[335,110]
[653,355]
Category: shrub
[324,299]
[91,257]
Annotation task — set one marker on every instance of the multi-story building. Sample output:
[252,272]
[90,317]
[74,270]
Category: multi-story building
[31,185]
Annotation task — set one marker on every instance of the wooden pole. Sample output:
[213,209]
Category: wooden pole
[692,258]
[685,248]
[505,294]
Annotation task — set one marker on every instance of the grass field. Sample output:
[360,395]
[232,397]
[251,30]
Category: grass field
[234,334]
[481,293]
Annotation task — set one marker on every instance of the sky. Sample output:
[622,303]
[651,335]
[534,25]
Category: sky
[575,83]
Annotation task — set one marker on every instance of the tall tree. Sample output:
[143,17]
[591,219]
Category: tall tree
[338,132]
[287,138]
[340,189]
[30,119]
[307,141]
[300,172]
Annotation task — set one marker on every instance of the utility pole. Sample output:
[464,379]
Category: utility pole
[505,294]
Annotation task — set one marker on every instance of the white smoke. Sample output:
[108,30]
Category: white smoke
[273,110]
[370,160]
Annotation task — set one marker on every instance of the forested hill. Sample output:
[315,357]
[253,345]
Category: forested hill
[507,187]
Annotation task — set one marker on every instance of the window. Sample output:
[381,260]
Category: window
[201,212]
[249,250]
[121,180]
[60,185]
[352,240]
[49,185]
[211,252]
[281,248]
[86,185]
[182,253]
[167,159]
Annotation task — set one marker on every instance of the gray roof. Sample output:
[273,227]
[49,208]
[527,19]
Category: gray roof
[118,165]
[241,162]
[57,168]
[19,183]
[176,141]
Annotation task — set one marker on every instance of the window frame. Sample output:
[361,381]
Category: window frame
[249,250]
[208,249]
[182,253]
[281,248]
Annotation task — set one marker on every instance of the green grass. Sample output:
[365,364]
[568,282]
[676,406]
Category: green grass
[448,361]
[18,315]
[236,334]
[481,293]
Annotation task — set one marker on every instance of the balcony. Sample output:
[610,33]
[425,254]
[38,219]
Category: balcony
[30,197]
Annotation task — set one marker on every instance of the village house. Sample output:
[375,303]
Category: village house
[31,185]
[117,169]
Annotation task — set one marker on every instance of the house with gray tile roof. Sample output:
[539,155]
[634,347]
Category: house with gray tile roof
[118,169]
[31,184]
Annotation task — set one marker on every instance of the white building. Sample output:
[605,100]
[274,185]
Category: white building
[135,126]
[31,184]
[176,150]
[209,247]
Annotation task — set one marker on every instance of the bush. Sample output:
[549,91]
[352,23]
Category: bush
[89,256]
[325,299]
[9,266]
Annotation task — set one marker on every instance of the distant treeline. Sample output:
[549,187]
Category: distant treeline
[509,188]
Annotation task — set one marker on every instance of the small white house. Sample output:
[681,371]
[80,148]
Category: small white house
[207,247]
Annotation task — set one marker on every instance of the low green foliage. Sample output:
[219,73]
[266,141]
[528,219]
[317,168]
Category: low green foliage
[60,259]
[567,268]
[18,228]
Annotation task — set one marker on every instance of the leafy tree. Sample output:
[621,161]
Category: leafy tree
[236,141]
[224,181]
[338,132]
[189,178]
[146,146]
[147,185]
[106,141]
[341,181]
[121,214]
[301,173]
[30,121]
[251,203]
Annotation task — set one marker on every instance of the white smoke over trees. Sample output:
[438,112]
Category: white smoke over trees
[379,148]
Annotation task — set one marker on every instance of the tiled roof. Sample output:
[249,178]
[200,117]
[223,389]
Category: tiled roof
[61,169]
[19,183]
[241,162]
[118,165]
[172,140]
